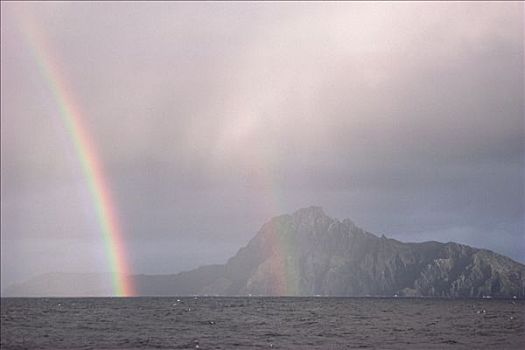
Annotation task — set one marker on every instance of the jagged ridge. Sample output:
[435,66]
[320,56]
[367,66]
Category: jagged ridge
[309,253]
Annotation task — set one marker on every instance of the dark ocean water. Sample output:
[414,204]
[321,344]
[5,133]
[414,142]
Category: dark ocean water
[266,323]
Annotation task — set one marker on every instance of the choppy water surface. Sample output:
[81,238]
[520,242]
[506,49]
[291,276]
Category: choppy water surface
[277,323]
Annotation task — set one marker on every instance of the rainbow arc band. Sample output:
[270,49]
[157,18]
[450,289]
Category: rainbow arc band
[72,119]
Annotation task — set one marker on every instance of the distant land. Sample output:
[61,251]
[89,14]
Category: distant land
[311,254]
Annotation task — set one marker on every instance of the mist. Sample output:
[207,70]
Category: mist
[210,118]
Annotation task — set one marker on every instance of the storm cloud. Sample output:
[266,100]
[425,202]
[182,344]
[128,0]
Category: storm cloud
[209,118]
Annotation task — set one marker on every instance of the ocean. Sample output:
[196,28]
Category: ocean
[261,323]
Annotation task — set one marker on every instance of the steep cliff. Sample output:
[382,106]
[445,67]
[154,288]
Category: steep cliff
[309,253]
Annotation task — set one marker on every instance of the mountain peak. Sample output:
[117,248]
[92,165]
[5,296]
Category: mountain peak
[312,211]
[308,253]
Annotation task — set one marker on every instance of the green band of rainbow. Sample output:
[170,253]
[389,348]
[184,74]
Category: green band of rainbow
[72,119]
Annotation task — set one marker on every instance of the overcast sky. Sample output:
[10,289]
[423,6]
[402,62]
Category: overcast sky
[210,118]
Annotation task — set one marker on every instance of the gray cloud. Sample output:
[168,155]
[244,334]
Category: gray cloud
[210,118]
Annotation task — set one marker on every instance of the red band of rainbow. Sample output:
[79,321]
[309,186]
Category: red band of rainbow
[72,119]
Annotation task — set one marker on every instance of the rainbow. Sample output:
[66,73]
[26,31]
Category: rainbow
[284,276]
[73,120]
[282,244]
